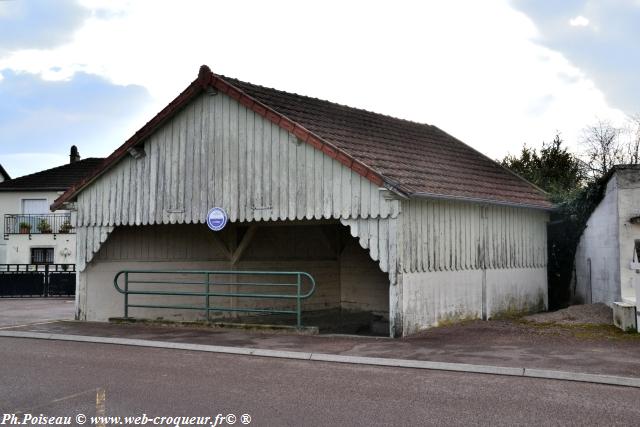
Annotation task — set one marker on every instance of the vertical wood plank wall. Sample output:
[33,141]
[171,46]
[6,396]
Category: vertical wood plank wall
[441,235]
[216,152]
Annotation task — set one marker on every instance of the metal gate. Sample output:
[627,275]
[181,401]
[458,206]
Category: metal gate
[31,280]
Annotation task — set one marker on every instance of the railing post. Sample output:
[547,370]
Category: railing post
[298,302]
[207,297]
[126,294]
[45,285]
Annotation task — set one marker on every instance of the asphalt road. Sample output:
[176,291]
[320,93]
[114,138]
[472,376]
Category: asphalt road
[62,379]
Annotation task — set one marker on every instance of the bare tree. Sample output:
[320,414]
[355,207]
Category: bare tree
[602,147]
[633,145]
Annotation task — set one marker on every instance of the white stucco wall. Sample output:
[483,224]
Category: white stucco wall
[431,299]
[517,290]
[437,298]
[628,184]
[598,253]
[363,286]
[607,243]
[18,247]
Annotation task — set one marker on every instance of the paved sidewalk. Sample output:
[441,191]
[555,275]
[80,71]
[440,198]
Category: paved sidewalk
[20,311]
[586,349]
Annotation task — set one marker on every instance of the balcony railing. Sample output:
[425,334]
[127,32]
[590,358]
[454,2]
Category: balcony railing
[37,224]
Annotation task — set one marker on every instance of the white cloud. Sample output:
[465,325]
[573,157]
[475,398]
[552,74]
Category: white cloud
[479,75]
[579,21]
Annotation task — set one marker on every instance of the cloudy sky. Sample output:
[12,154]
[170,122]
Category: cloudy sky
[496,74]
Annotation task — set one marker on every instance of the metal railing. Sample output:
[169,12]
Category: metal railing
[37,224]
[205,280]
[37,280]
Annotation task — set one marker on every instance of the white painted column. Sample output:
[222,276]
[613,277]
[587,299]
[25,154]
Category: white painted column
[395,307]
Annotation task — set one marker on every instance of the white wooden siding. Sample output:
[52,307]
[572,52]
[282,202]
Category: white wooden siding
[88,243]
[380,237]
[440,235]
[215,152]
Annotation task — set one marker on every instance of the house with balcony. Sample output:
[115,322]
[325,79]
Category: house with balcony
[32,234]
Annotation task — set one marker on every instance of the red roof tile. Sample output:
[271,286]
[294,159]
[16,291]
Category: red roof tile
[418,159]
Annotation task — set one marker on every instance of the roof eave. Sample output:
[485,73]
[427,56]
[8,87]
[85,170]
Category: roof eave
[195,88]
[541,190]
[425,195]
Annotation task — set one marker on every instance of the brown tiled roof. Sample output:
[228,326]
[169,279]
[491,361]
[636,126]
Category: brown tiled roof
[417,158]
[411,158]
[60,178]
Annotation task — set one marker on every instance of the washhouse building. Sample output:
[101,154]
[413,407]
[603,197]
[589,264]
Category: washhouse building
[396,220]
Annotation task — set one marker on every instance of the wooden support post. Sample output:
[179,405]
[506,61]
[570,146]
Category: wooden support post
[219,242]
[244,244]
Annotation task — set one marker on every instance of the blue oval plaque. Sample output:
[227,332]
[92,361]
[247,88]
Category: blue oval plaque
[217,219]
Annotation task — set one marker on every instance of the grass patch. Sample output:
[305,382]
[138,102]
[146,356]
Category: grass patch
[585,331]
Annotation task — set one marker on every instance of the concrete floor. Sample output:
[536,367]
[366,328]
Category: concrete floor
[20,311]
[330,321]
[62,379]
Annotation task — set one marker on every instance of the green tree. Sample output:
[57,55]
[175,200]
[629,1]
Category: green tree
[576,187]
[564,177]
[553,168]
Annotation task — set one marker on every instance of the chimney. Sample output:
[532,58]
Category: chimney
[74,156]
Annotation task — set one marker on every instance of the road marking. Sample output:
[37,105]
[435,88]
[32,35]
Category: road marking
[60,399]
[339,358]
[32,324]
[100,406]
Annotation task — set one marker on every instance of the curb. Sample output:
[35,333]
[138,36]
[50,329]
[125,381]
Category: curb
[304,330]
[337,358]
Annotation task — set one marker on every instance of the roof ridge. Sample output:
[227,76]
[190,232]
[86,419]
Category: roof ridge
[56,178]
[52,169]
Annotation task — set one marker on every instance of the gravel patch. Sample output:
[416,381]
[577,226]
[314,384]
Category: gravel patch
[585,314]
